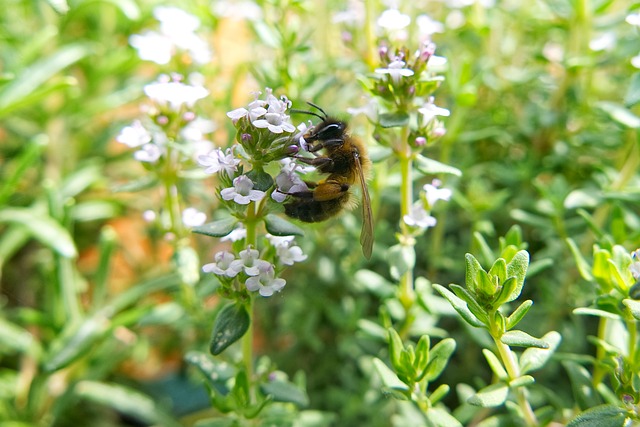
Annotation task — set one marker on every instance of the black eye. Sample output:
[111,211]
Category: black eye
[331,131]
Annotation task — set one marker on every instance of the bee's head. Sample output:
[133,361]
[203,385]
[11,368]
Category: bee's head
[329,129]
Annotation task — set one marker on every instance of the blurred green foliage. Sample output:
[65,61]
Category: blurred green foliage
[96,325]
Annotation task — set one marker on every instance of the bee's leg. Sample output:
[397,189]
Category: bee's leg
[324,144]
[317,162]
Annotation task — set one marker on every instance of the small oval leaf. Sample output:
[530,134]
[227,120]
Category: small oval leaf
[518,338]
[281,227]
[491,396]
[394,120]
[231,324]
[219,228]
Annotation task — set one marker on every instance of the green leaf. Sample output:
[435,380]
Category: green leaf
[43,228]
[472,304]
[395,348]
[583,266]
[460,306]
[632,97]
[140,184]
[586,311]
[439,357]
[76,341]
[401,258]
[499,269]
[125,400]
[517,268]
[620,114]
[231,324]
[394,120]
[60,6]
[471,272]
[432,167]
[422,355]
[495,364]
[522,381]
[441,418]
[533,359]
[491,396]
[508,288]
[439,393]
[584,393]
[601,416]
[518,314]
[518,338]
[633,306]
[219,228]
[14,338]
[217,374]
[261,180]
[33,78]
[284,391]
[27,158]
[389,379]
[281,227]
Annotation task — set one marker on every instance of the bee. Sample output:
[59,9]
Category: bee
[346,163]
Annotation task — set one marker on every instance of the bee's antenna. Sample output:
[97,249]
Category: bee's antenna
[311,113]
[318,108]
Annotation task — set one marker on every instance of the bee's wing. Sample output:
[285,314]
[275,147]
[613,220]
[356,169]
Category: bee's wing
[366,235]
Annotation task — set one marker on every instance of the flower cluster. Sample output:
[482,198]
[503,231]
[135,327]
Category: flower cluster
[257,274]
[265,135]
[170,120]
[177,34]
[419,216]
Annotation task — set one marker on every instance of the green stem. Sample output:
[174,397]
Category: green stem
[370,47]
[598,371]
[407,294]
[247,340]
[513,370]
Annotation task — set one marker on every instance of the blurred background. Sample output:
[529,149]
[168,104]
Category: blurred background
[94,325]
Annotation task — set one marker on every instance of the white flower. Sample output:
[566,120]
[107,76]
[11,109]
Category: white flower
[633,19]
[288,254]
[396,70]
[430,111]
[279,240]
[192,217]
[238,233]
[237,10]
[174,94]
[275,122]
[433,193]
[606,41]
[134,135]
[427,26]
[265,282]
[149,215]
[635,61]
[370,110]
[392,19]
[249,262]
[149,153]
[218,160]
[554,52]
[288,182]
[223,265]
[196,130]
[153,46]
[177,31]
[242,191]
[418,217]
[353,15]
